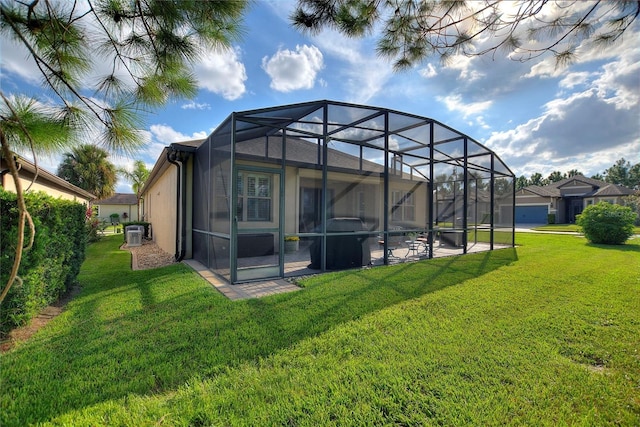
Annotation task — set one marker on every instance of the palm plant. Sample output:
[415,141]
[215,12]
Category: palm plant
[102,63]
[138,176]
[88,167]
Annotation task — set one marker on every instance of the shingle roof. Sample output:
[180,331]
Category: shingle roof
[301,151]
[194,143]
[118,199]
[546,190]
[27,165]
[589,181]
[613,190]
[601,188]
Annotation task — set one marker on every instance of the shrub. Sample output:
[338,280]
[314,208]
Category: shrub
[634,203]
[607,223]
[551,218]
[51,265]
[94,227]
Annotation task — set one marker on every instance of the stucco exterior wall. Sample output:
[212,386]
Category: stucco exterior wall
[51,190]
[616,200]
[575,189]
[531,199]
[105,211]
[160,209]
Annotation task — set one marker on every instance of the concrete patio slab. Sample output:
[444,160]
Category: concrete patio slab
[243,290]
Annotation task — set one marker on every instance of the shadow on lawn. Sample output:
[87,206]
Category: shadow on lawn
[627,247]
[181,330]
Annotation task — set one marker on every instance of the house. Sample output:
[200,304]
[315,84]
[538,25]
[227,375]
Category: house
[564,199]
[350,183]
[44,181]
[125,205]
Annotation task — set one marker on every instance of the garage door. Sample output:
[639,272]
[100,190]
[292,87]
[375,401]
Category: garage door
[531,214]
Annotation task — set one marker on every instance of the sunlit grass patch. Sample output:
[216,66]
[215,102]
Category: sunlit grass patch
[544,334]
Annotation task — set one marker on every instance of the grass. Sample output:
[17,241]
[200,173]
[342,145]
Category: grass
[568,228]
[560,228]
[545,334]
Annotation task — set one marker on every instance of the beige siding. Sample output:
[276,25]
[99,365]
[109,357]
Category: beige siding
[57,192]
[531,199]
[616,200]
[105,211]
[189,214]
[575,190]
[292,203]
[160,209]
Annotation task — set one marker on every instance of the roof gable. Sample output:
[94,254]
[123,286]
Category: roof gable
[119,199]
[577,181]
[598,188]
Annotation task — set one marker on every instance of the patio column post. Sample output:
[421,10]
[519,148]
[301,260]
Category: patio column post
[432,192]
[233,241]
[465,195]
[323,196]
[385,219]
[492,200]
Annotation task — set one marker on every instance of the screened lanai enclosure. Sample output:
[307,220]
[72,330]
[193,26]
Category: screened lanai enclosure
[319,186]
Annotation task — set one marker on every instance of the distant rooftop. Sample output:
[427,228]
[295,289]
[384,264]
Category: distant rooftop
[118,199]
[600,188]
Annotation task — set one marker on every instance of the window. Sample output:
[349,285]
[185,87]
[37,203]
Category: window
[404,207]
[254,197]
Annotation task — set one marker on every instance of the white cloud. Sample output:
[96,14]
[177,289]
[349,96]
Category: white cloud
[572,80]
[583,131]
[624,48]
[455,103]
[15,59]
[618,84]
[361,74]
[156,139]
[161,135]
[293,70]
[196,106]
[166,134]
[222,73]
[480,122]
[428,71]
[466,66]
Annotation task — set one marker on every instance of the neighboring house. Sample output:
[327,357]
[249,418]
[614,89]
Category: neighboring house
[564,199]
[123,204]
[46,182]
[338,176]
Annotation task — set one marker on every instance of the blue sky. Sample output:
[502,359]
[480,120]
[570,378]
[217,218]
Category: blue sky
[536,117]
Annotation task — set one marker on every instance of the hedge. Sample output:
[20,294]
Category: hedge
[51,266]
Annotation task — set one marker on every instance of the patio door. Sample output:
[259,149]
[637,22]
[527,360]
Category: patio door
[257,220]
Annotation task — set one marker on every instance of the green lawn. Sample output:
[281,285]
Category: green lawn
[568,228]
[544,334]
[564,228]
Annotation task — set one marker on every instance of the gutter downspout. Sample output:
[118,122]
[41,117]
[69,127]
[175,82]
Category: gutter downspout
[3,172]
[173,157]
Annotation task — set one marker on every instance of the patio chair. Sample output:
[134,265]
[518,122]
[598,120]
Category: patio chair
[395,242]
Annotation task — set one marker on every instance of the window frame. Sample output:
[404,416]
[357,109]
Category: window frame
[244,209]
